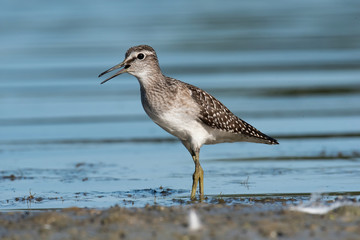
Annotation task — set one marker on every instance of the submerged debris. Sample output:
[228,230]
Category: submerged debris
[317,205]
[194,221]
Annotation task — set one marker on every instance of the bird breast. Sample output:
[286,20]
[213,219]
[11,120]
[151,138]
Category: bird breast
[176,114]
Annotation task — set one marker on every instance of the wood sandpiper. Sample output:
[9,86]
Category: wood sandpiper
[185,111]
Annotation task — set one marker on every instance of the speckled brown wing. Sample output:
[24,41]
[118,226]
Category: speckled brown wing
[214,114]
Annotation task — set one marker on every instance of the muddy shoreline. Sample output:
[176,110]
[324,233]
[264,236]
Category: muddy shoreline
[218,221]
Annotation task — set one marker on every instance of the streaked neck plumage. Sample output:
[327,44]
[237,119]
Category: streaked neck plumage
[149,76]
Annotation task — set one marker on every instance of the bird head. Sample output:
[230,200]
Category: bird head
[139,61]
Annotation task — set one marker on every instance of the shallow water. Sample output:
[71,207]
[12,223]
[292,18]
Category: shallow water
[291,70]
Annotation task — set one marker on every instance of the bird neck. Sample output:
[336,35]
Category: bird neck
[150,79]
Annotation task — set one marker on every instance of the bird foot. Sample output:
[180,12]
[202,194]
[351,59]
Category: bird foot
[198,176]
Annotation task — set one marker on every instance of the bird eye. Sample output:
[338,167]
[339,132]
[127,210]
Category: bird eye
[140,56]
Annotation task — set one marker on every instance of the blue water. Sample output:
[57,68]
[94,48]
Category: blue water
[290,69]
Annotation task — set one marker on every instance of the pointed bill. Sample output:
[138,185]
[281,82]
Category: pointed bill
[120,65]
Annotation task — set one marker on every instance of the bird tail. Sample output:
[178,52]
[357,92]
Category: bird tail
[263,139]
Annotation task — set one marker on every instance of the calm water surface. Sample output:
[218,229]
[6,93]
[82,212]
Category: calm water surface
[290,69]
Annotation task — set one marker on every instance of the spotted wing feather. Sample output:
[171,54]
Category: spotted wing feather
[216,115]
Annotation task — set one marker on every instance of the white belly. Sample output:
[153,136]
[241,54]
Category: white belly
[195,132]
[182,123]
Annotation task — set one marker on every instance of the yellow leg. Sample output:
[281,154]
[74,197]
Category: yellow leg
[198,176]
[194,185]
[201,183]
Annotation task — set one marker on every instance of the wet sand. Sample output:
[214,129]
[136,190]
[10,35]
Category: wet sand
[218,221]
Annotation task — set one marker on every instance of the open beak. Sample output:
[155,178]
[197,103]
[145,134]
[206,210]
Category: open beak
[120,65]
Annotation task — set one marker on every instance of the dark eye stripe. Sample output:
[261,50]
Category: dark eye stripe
[131,60]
